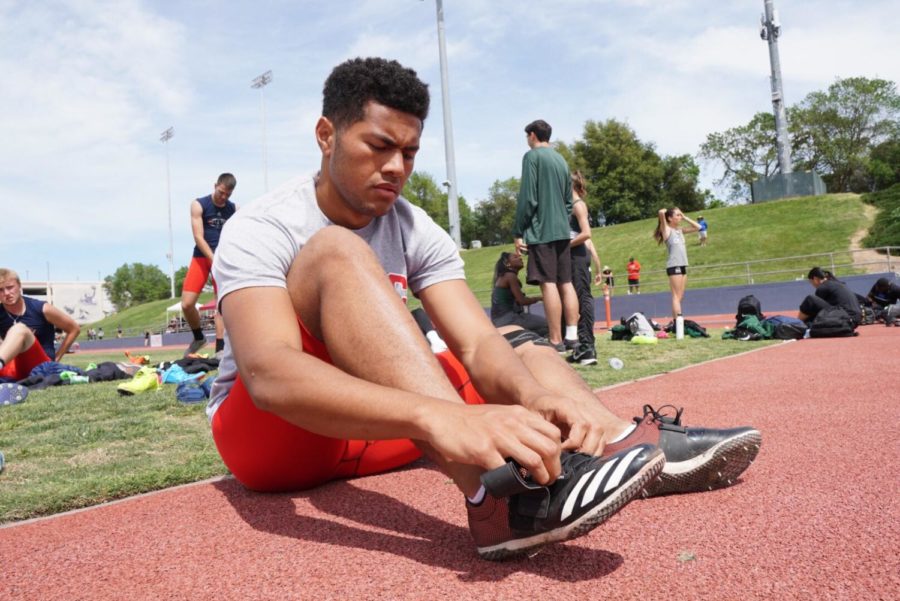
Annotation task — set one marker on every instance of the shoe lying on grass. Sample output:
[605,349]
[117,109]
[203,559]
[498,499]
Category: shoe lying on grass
[144,380]
[139,359]
[70,377]
[10,394]
[518,516]
[697,459]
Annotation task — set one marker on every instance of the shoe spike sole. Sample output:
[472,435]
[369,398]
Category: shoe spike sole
[627,492]
[730,459]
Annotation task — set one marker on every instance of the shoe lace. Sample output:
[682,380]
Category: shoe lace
[663,414]
[572,462]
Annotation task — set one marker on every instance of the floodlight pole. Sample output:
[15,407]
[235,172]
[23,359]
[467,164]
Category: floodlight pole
[260,83]
[770,30]
[452,198]
[164,138]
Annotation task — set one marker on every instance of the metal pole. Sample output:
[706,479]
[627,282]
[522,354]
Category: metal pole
[165,137]
[260,83]
[452,199]
[771,30]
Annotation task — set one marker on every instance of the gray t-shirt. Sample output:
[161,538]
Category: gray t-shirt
[676,248]
[261,241]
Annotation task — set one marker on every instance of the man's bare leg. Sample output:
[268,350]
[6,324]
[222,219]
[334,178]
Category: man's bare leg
[569,303]
[18,340]
[189,309]
[553,311]
[340,291]
[557,376]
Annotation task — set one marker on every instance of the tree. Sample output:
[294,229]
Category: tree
[135,284]
[626,178]
[834,133]
[884,165]
[844,124]
[747,153]
[494,218]
[179,278]
[422,191]
[681,177]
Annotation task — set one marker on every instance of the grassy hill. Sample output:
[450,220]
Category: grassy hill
[135,320]
[802,226]
[785,228]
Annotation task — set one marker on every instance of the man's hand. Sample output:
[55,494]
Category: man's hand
[521,247]
[488,435]
[577,420]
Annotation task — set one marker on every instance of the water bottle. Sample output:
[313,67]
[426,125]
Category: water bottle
[679,327]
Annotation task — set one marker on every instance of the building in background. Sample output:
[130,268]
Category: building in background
[85,302]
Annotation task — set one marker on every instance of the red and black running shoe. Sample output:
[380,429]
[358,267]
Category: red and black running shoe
[697,459]
[518,516]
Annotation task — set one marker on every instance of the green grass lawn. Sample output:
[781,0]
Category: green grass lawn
[74,446]
[135,320]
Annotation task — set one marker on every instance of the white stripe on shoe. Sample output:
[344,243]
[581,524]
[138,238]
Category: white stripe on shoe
[573,496]
[591,491]
[616,477]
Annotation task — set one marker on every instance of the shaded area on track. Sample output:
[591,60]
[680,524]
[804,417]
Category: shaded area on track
[816,517]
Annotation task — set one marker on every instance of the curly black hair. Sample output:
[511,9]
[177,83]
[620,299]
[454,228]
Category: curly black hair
[355,82]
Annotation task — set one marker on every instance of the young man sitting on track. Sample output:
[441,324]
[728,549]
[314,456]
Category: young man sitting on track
[326,374]
[27,327]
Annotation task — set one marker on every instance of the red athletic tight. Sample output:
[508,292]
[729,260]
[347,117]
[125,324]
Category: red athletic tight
[266,453]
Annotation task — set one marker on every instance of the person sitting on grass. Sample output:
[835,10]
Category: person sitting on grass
[320,382]
[27,328]
[508,300]
[830,292]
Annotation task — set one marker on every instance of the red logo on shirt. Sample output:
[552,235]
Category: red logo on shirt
[400,284]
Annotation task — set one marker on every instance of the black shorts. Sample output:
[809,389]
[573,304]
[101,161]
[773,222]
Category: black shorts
[549,263]
[634,282]
[679,270]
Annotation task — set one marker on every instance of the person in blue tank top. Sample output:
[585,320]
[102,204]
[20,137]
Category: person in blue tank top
[208,216]
[27,327]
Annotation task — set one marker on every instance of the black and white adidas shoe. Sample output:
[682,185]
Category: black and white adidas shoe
[518,516]
[697,459]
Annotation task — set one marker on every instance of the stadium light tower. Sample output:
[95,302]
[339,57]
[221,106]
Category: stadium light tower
[164,138]
[260,83]
[452,198]
[770,30]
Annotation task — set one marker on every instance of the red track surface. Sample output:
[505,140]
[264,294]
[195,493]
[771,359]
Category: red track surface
[816,517]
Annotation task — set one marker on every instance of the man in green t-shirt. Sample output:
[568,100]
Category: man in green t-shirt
[542,230]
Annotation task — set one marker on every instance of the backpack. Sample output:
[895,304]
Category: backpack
[639,325]
[786,328]
[831,322]
[868,315]
[749,305]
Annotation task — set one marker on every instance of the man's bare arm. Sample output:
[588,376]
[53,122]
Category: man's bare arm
[66,324]
[197,230]
[323,399]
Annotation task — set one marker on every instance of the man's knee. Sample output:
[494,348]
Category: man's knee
[330,248]
[23,334]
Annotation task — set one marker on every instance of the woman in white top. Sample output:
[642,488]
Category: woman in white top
[668,231]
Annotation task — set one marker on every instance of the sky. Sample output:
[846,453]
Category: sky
[88,86]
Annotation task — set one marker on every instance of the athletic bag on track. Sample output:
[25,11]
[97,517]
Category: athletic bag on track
[832,322]
[748,305]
